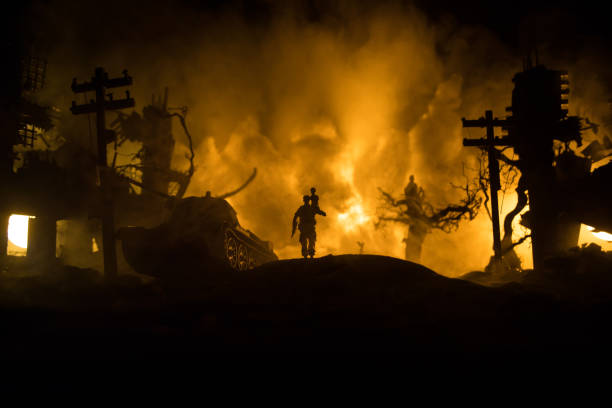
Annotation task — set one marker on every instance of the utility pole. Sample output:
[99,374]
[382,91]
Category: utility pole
[99,83]
[490,142]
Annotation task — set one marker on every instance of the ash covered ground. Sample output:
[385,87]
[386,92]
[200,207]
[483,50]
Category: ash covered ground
[344,303]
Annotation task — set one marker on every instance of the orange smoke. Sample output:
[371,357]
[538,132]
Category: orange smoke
[347,104]
[321,111]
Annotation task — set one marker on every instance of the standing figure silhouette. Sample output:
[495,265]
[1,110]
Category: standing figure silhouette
[306,216]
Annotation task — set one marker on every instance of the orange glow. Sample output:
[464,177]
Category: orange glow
[18,235]
[604,236]
[18,230]
[371,110]
[589,234]
[353,217]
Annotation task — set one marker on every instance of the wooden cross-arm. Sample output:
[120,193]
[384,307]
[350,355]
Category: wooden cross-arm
[497,141]
[484,122]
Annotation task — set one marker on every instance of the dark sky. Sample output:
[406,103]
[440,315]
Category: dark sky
[568,31]
[510,20]
[584,19]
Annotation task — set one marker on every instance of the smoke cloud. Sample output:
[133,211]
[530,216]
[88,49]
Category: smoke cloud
[344,97]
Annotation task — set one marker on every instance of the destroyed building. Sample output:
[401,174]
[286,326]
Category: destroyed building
[65,192]
[57,189]
[556,178]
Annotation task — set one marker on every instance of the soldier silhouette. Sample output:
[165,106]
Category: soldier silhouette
[308,236]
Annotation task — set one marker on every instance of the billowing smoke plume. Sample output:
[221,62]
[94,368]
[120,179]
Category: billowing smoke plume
[344,98]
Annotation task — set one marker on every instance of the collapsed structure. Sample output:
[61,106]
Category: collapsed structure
[556,183]
[66,190]
[35,187]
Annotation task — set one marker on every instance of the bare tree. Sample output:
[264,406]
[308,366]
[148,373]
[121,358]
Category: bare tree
[509,172]
[152,161]
[153,158]
[422,217]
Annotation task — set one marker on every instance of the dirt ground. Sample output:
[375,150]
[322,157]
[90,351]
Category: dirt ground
[346,303]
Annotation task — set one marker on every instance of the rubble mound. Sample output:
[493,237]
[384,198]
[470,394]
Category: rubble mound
[581,274]
[333,303]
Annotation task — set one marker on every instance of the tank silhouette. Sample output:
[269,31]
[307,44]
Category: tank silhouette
[200,231]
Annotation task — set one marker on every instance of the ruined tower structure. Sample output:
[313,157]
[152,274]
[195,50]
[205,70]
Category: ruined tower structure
[555,182]
[158,146]
[9,124]
[152,172]
[539,118]
[27,189]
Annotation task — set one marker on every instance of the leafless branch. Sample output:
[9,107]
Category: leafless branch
[483,182]
[447,219]
[517,243]
[183,186]
[242,187]
[505,159]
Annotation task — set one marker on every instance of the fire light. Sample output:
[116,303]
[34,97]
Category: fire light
[353,217]
[605,236]
[18,230]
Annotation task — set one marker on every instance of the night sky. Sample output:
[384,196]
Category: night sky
[513,22]
[562,28]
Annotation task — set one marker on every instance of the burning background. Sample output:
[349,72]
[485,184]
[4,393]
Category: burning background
[343,96]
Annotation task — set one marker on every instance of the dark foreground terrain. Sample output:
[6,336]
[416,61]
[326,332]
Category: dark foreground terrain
[331,304]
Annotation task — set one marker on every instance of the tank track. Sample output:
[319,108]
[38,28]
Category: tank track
[242,252]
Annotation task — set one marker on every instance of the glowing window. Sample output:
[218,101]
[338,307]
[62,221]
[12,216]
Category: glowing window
[590,234]
[18,234]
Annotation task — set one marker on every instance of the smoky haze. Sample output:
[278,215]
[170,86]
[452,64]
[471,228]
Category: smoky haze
[347,98]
